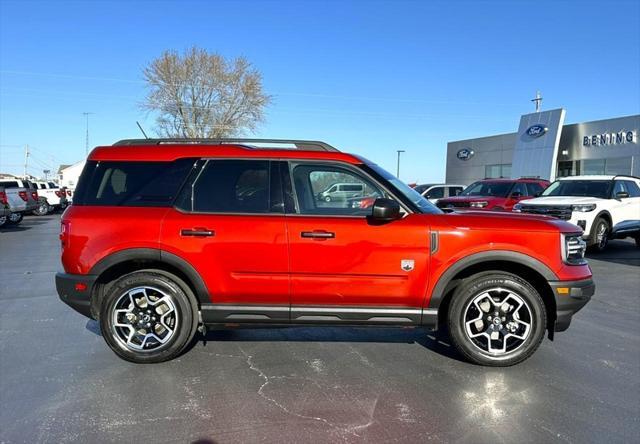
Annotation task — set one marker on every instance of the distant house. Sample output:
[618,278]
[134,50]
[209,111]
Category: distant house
[68,174]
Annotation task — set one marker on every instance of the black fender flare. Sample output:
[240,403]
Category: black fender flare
[156,255]
[438,292]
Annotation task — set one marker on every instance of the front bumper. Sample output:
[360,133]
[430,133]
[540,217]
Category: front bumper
[75,290]
[570,297]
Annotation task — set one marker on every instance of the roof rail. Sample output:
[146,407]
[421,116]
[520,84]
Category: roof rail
[310,145]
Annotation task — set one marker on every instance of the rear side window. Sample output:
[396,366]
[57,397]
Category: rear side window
[231,186]
[454,191]
[10,184]
[132,184]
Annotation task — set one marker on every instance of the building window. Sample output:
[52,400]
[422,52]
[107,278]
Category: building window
[497,171]
[620,165]
[593,166]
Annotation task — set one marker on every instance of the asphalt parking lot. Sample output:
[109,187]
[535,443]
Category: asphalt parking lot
[60,383]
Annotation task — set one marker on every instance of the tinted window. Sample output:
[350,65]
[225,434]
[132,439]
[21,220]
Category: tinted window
[618,187]
[454,191]
[135,184]
[52,185]
[435,193]
[534,188]
[519,188]
[632,188]
[586,188]
[233,186]
[310,183]
[10,184]
[487,188]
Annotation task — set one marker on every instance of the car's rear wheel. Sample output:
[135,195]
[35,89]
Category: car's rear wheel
[496,319]
[148,317]
[600,234]
[43,208]
[3,220]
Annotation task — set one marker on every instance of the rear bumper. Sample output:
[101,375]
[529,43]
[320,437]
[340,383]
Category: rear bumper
[570,297]
[70,292]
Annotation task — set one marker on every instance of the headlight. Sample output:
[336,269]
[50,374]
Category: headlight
[583,208]
[517,208]
[573,249]
[481,204]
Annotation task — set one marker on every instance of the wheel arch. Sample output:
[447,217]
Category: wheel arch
[134,259]
[522,265]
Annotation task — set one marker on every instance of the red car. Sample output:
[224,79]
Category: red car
[168,237]
[495,194]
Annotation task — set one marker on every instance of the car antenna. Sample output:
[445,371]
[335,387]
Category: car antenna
[143,133]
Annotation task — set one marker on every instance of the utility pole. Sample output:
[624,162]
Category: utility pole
[86,146]
[26,159]
[398,164]
[538,101]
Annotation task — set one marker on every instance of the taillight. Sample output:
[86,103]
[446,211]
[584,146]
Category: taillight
[34,194]
[69,193]
[59,193]
[64,234]
[23,195]
[3,198]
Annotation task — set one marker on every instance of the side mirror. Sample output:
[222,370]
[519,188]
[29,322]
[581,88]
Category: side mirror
[622,195]
[385,210]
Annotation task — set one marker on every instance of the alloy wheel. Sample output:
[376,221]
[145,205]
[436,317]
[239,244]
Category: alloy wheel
[144,319]
[498,321]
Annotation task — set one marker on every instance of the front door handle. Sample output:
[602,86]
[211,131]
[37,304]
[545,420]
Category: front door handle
[197,232]
[318,234]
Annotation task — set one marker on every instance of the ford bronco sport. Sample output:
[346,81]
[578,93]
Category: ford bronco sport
[168,237]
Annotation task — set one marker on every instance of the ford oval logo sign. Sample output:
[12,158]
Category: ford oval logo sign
[537,131]
[465,154]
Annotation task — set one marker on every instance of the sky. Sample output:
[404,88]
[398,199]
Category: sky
[367,77]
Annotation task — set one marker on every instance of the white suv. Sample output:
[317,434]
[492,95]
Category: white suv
[594,203]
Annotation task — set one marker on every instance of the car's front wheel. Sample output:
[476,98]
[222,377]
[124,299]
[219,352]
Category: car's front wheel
[496,319]
[148,317]
[15,218]
[600,235]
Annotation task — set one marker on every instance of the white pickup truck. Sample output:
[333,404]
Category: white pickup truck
[55,198]
[597,204]
[21,197]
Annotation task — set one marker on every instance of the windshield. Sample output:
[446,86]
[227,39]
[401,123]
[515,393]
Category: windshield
[423,204]
[483,188]
[583,188]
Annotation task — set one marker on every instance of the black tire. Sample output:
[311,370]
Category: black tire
[3,221]
[461,313]
[14,218]
[160,283]
[599,245]
[637,241]
[327,198]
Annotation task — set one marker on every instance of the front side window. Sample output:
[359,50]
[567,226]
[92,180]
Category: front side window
[332,190]
[632,188]
[455,191]
[435,193]
[534,189]
[232,186]
[519,188]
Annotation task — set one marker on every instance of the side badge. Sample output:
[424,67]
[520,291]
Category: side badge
[407,264]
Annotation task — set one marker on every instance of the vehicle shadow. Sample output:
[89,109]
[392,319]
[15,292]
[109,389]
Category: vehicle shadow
[435,341]
[619,252]
[14,228]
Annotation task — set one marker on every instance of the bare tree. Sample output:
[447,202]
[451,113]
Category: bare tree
[203,95]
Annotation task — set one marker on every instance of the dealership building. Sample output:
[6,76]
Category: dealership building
[545,147]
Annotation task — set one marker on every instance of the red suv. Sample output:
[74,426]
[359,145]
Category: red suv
[495,194]
[168,237]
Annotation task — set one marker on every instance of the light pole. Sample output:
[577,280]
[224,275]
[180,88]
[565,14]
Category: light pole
[86,143]
[398,164]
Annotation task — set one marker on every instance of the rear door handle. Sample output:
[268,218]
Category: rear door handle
[318,234]
[197,232]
